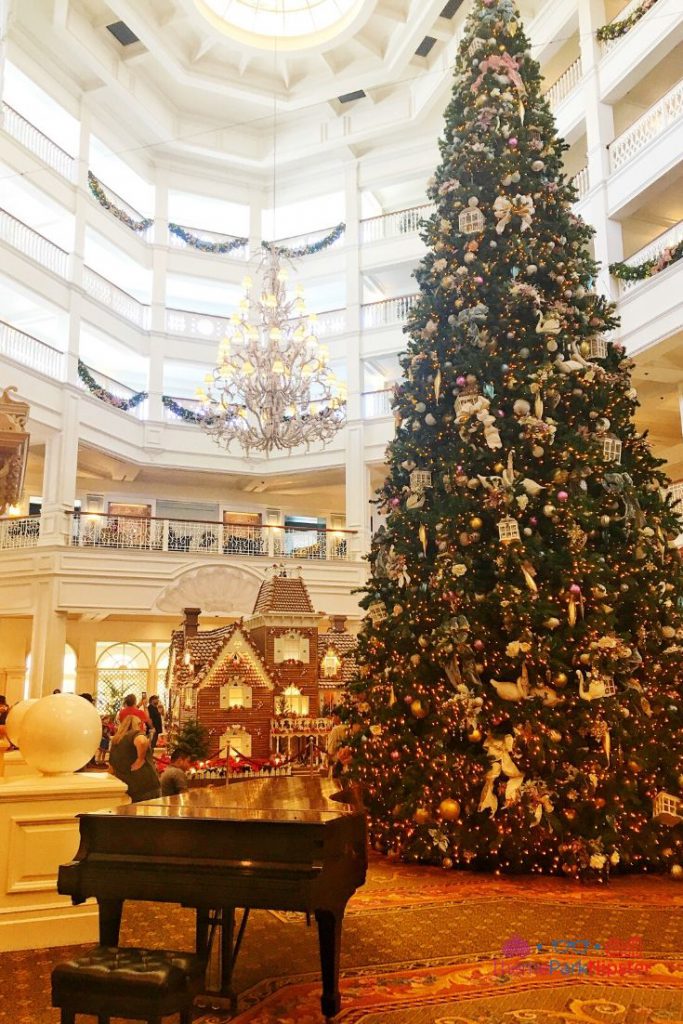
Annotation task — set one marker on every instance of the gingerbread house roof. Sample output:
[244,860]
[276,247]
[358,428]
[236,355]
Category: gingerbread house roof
[345,645]
[283,595]
[230,634]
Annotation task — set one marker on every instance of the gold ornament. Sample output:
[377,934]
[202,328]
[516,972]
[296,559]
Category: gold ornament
[414,659]
[476,523]
[474,735]
[449,809]
[560,679]
[555,736]
[423,641]
[498,468]
[446,863]
[421,816]
[677,872]
[397,609]
[634,765]
[585,659]
[418,710]
[569,813]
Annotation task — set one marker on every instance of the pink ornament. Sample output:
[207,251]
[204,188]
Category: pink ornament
[395,755]
[478,280]
[533,520]
[575,589]
[408,699]
[512,143]
[395,502]
[478,645]
[460,381]
[500,413]
[562,496]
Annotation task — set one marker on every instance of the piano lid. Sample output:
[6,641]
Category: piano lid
[312,800]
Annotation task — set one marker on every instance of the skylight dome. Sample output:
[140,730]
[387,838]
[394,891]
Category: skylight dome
[289,24]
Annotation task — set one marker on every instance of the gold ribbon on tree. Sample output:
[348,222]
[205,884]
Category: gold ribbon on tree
[505,209]
[498,751]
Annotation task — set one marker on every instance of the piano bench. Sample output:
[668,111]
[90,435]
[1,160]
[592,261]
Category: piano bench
[137,984]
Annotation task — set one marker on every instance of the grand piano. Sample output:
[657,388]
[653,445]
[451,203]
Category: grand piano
[278,844]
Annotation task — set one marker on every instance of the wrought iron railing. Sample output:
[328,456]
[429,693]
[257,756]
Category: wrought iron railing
[31,138]
[653,123]
[32,244]
[391,225]
[29,351]
[115,298]
[19,532]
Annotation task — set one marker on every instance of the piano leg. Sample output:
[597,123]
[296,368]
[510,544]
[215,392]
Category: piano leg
[329,937]
[110,921]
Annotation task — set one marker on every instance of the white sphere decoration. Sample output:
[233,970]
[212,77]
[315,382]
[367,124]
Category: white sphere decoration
[15,719]
[60,733]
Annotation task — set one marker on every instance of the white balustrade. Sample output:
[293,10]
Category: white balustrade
[118,390]
[205,538]
[19,533]
[122,204]
[581,183]
[388,311]
[240,252]
[32,244]
[29,351]
[329,323]
[653,123]
[31,138]
[609,44]
[376,403]
[309,238]
[565,84]
[191,404]
[675,492]
[205,326]
[667,240]
[108,294]
[390,225]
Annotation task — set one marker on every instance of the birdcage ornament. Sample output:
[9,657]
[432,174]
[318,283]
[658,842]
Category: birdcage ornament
[609,685]
[666,809]
[468,402]
[420,480]
[508,530]
[474,46]
[471,220]
[377,612]
[610,447]
[597,348]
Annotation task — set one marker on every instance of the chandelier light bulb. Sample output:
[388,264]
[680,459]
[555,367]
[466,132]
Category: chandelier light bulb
[282,275]
[278,366]
[247,281]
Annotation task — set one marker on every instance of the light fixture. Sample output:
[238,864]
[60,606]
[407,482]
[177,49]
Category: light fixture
[271,387]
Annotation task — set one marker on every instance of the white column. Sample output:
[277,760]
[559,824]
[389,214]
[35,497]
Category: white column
[77,255]
[5,19]
[255,210]
[59,475]
[599,134]
[48,637]
[155,384]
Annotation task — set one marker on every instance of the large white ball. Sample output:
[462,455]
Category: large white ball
[60,733]
[15,719]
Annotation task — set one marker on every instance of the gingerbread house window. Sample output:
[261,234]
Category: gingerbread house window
[188,696]
[294,702]
[292,646]
[235,742]
[331,665]
[235,694]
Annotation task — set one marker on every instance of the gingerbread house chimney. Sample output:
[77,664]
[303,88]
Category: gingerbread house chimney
[191,621]
[338,624]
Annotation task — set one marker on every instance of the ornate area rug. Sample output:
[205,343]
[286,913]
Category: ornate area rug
[422,946]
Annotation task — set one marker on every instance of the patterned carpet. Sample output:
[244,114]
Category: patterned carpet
[426,947]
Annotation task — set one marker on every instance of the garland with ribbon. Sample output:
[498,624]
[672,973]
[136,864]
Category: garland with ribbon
[311,248]
[89,382]
[648,268]
[139,226]
[617,29]
[188,415]
[202,244]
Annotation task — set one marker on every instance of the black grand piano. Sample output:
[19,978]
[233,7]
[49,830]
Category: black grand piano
[278,844]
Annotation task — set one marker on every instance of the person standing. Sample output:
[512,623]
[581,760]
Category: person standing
[156,717]
[335,741]
[174,779]
[131,761]
[130,708]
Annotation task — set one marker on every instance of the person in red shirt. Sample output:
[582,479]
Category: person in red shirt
[130,708]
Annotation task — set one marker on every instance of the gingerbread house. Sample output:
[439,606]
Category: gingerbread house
[265,684]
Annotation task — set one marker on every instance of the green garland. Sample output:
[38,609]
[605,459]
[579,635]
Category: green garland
[220,248]
[616,29]
[100,195]
[187,415]
[125,404]
[307,250]
[648,268]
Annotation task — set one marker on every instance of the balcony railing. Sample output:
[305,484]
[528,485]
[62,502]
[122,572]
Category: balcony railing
[581,183]
[119,390]
[122,204]
[191,404]
[19,533]
[376,403]
[241,252]
[31,138]
[205,326]
[390,225]
[32,244]
[609,44]
[29,351]
[565,84]
[114,298]
[653,251]
[309,238]
[387,312]
[653,123]
[126,533]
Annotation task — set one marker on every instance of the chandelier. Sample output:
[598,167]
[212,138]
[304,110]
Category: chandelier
[271,387]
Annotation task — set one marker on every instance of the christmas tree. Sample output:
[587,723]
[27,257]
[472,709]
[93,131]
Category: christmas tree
[518,701]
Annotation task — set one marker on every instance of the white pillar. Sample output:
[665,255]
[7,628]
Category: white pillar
[6,13]
[357,491]
[48,637]
[77,255]
[59,474]
[599,134]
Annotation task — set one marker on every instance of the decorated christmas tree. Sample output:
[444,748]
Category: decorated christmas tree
[518,703]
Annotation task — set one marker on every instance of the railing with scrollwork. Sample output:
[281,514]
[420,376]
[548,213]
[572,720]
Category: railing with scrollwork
[667,240]
[19,533]
[29,351]
[391,225]
[205,326]
[565,84]
[581,183]
[32,244]
[655,121]
[114,298]
[31,138]
[376,403]
[633,5]
[208,538]
[387,312]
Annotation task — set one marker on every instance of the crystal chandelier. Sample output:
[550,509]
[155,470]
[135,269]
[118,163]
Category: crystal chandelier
[271,387]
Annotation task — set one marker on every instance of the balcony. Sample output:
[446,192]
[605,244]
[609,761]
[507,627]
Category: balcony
[30,243]
[393,225]
[237,252]
[28,136]
[116,299]
[388,312]
[376,404]
[129,533]
[652,310]
[564,85]
[654,122]
[120,392]
[652,252]
[17,533]
[29,351]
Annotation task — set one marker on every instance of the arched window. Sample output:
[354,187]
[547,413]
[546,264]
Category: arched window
[160,668]
[121,669]
[294,702]
[68,673]
[331,664]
